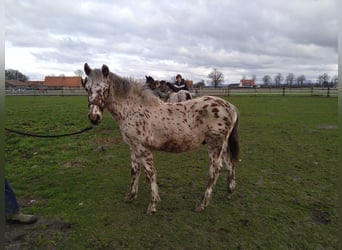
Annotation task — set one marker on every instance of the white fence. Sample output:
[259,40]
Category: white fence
[268,91]
[198,92]
[47,92]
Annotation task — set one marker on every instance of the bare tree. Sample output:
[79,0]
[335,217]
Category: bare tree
[278,79]
[79,72]
[13,74]
[334,80]
[290,78]
[216,77]
[300,80]
[323,80]
[266,79]
[326,78]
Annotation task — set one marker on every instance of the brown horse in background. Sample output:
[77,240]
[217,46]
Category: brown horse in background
[179,96]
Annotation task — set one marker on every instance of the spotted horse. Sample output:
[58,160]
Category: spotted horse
[148,124]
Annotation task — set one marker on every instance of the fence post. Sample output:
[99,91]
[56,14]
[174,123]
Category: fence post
[312,90]
[328,92]
[283,91]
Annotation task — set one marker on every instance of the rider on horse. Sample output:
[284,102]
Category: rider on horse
[180,84]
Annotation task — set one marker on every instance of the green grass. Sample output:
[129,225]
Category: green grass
[286,195]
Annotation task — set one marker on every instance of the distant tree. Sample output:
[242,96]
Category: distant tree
[326,78]
[300,80]
[323,80]
[79,72]
[290,78]
[278,79]
[334,81]
[200,84]
[12,74]
[266,79]
[216,77]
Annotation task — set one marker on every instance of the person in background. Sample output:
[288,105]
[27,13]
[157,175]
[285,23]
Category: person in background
[180,84]
[13,213]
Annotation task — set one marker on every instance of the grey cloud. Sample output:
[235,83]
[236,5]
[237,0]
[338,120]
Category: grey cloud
[196,36]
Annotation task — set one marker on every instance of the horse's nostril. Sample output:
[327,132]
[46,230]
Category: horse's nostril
[94,119]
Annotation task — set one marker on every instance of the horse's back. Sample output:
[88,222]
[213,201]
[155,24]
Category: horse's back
[213,112]
[213,102]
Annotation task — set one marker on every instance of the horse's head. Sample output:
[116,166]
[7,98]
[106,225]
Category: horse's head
[150,82]
[163,86]
[97,86]
[149,79]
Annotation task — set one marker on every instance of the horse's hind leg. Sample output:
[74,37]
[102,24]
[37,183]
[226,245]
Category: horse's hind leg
[135,173]
[215,167]
[227,163]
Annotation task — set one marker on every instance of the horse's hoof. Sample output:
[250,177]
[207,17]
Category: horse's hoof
[199,208]
[151,211]
[129,198]
[229,195]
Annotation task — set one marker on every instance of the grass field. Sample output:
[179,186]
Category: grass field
[286,193]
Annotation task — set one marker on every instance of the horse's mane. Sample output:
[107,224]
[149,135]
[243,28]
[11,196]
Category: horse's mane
[125,87]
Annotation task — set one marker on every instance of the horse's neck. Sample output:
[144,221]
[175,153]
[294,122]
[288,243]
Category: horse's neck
[119,108]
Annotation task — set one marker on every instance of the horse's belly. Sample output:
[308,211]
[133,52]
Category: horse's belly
[173,147]
[177,146]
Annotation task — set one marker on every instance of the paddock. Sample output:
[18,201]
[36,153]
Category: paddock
[286,193]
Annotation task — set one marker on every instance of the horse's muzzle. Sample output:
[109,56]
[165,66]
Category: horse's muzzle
[94,119]
[94,114]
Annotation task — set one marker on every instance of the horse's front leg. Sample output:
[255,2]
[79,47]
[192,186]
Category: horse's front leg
[135,173]
[151,176]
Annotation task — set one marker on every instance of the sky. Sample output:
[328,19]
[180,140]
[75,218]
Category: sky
[163,38]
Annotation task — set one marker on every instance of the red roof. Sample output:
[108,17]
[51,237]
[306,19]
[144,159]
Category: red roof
[17,83]
[245,82]
[63,81]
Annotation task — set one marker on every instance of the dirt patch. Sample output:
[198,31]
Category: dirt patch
[75,163]
[326,126]
[44,234]
[107,141]
[321,217]
[105,144]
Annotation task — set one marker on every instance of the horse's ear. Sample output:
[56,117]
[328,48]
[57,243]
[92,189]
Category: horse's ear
[84,81]
[87,69]
[105,70]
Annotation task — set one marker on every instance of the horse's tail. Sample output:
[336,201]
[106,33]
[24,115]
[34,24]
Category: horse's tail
[234,143]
